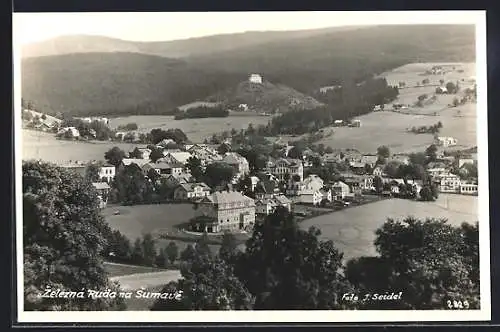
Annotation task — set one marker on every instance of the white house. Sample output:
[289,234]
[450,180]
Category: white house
[312,182]
[313,197]
[450,183]
[238,163]
[437,172]
[446,141]
[467,188]
[107,172]
[341,190]
[177,157]
[255,79]
[463,161]
[338,122]
[266,206]
[281,167]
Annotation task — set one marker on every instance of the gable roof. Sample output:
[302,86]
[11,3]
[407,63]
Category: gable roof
[225,197]
[191,186]
[138,162]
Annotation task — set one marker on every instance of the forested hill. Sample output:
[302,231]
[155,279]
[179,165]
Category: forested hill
[121,83]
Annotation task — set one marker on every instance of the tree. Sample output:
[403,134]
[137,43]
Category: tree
[439,125]
[285,267]
[132,186]
[418,158]
[426,193]
[223,149]
[383,151]
[156,153]
[244,185]
[135,153]
[114,156]
[161,259]
[138,252]
[441,81]
[172,251]
[43,117]
[450,87]
[92,173]
[378,184]
[149,249]
[188,254]
[430,260]
[64,238]
[217,174]
[229,246]
[392,169]
[295,153]
[120,246]
[208,283]
[431,152]
[455,102]
[328,149]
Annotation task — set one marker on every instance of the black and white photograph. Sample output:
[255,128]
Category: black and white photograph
[251,167]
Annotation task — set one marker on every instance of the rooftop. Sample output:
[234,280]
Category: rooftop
[225,197]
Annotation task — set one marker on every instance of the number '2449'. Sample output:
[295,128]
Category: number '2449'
[454,304]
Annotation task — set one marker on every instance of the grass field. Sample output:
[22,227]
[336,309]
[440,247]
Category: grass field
[195,129]
[353,230]
[135,221]
[389,128]
[40,145]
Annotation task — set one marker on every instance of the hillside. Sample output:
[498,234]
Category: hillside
[116,83]
[330,58]
[171,49]
[134,83]
[266,97]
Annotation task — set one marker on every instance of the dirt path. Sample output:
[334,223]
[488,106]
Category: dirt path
[147,280]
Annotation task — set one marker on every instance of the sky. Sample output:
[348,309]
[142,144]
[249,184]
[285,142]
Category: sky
[164,26]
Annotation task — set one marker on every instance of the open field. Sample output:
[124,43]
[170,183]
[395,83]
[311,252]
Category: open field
[353,230]
[195,129]
[45,146]
[389,128]
[117,270]
[135,221]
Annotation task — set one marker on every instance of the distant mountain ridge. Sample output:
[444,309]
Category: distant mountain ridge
[171,49]
[131,82]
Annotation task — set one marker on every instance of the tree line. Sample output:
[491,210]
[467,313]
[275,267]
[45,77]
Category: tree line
[201,112]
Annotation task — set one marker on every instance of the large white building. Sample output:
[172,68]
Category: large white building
[450,183]
[107,172]
[255,79]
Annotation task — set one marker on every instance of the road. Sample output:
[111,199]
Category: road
[147,280]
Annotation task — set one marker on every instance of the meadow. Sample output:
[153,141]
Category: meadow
[195,129]
[390,128]
[353,230]
[45,146]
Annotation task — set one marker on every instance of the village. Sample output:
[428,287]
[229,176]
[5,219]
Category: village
[284,181]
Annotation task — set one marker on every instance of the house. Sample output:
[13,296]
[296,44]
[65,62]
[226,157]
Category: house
[446,141]
[176,157]
[441,90]
[312,182]
[142,153]
[437,172]
[356,123]
[283,166]
[238,163]
[102,189]
[326,194]
[378,171]
[255,79]
[313,197]
[338,123]
[254,180]
[163,168]
[224,211]
[267,206]
[136,161]
[243,107]
[450,183]
[173,181]
[468,188]
[189,191]
[107,172]
[69,131]
[266,188]
[358,167]
[166,142]
[377,108]
[341,190]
